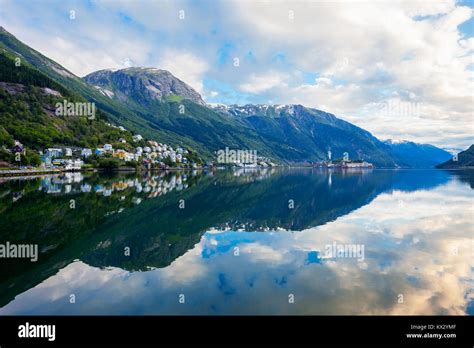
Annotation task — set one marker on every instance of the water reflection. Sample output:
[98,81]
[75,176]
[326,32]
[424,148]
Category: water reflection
[236,246]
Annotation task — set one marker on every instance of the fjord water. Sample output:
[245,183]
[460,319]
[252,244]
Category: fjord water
[240,242]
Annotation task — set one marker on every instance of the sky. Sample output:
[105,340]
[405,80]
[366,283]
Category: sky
[400,69]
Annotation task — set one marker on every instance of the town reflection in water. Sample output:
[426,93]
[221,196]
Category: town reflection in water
[240,242]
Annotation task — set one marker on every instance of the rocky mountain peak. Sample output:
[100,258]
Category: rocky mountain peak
[142,84]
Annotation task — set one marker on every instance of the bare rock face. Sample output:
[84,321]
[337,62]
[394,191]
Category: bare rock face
[143,85]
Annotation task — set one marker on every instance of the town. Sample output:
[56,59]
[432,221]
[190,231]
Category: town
[152,155]
[139,154]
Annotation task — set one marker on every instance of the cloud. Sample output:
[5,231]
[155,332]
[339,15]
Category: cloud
[185,66]
[261,83]
[376,52]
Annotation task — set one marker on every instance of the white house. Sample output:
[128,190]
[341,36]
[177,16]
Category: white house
[86,152]
[74,164]
[137,137]
[52,152]
[108,147]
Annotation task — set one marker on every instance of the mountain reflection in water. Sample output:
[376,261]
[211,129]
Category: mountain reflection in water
[240,243]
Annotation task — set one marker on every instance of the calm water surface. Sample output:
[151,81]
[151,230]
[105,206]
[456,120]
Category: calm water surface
[253,242]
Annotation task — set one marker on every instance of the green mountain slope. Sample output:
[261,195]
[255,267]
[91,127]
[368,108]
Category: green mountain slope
[118,113]
[27,114]
[304,134]
[413,155]
[465,159]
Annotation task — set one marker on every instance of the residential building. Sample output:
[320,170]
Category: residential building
[99,151]
[54,152]
[86,153]
[137,137]
[121,154]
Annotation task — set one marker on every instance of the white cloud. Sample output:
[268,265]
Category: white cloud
[374,49]
[261,83]
[185,66]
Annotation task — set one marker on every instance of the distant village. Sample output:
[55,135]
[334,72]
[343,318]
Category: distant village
[343,163]
[147,154]
[152,155]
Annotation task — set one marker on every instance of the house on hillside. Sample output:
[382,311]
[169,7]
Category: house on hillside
[137,137]
[54,152]
[108,147]
[86,153]
[99,151]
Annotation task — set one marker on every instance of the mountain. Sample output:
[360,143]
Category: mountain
[306,134]
[142,85]
[156,104]
[27,114]
[465,159]
[198,128]
[412,155]
[116,112]
[290,133]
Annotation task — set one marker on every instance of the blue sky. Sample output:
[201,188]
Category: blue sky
[402,70]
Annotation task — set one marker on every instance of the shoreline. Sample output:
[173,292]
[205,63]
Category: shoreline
[37,172]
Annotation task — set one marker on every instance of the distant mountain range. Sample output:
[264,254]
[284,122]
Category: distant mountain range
[413,155]
[156,104]
[465,159]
